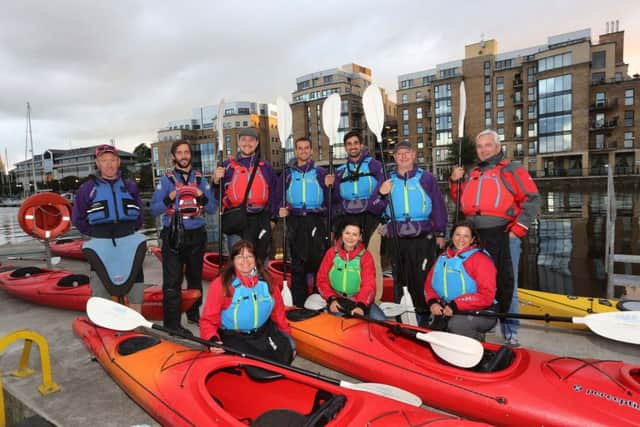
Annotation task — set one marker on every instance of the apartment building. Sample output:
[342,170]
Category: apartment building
[349,81]
[563,108]
[200,130]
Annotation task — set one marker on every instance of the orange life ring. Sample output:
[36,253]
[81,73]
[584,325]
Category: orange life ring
[45,215]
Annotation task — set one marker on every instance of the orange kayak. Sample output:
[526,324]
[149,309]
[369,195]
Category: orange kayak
[183,386]
[510,387]
[66,290]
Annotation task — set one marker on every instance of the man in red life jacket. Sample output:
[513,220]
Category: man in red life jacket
[261,205]
[501,200]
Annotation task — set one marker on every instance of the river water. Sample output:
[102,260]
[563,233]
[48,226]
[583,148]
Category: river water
[563,252]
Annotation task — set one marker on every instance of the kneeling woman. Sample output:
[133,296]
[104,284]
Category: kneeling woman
[245,311]
[462,279]
[346,278]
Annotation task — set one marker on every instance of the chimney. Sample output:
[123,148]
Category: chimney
[607,32]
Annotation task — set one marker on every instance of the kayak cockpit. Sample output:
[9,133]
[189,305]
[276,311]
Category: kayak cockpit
[258,396]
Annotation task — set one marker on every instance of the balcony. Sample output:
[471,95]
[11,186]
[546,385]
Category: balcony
[596,125]
[603,146]
[517,83]
[517,100]
[517,119]
[603,105]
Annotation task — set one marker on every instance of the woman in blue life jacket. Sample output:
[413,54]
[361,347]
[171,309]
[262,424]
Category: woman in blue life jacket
[462,279]
[245,311]
[346,278]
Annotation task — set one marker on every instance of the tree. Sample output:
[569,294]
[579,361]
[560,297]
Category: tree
[70,182]
[142,153]
[468,152]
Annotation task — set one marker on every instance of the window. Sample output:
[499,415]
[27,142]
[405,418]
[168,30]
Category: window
[487,119]
[628,118]
[532,130]
[442,155]
[628,96]
[405,115]
[600,120]
[500,100]
[419,113]
[597,78]
[531,93]
[518,132]
[531,74]
[405,84]
[419,96]
[443,91]
[517,115]
[500,117]
[405,98]
[427,80]
[531,112]
[601,99]
[503,147]
[628,140]
[443,138]
[504,64]
[500,134]
[449,72]
[598,59]
[600,141]
[487,101]
[327,79]
[532,148]
[517,97]
[443,123]
[500,83]
[553,62]
[419,129]
[519,151]
[618,76]
[405,129]
[443,106]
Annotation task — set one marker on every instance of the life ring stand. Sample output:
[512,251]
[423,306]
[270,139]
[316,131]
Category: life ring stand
[45,215]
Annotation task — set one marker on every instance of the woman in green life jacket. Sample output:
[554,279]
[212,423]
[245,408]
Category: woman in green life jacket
[346,278]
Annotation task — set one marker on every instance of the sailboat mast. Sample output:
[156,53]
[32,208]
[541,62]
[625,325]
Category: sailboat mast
[6,159]
[33,156]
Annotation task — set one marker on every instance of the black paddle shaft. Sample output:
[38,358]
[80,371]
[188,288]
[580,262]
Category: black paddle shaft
[544,317]
[220,189]
[457,217]
[284,218]
[230,350]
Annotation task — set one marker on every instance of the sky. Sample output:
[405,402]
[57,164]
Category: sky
[122,69]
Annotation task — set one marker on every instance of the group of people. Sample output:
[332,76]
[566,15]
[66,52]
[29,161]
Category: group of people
[476,271]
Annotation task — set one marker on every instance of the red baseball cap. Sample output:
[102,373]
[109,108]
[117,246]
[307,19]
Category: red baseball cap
[105,148]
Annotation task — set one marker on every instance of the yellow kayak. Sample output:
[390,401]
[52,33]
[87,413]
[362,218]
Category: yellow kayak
[541,303]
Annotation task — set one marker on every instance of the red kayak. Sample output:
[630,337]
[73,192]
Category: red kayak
[183,386]
[510,387]
[68,248]
[64,289]
[210,262]
[275,268]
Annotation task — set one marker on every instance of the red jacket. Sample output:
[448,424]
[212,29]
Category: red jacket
[216,302]
[367,273]
[482,269]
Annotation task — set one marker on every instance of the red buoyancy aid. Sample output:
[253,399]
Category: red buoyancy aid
[186,196]
[487,193]
[258,196]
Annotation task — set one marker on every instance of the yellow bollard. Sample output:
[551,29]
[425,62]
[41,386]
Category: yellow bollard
[47,386]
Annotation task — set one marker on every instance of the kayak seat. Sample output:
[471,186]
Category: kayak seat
[260,374]
[26,272]
[73,280]
[326,412]
[300,314]
[65,240]
[280,418]
[494,361]
[137,343]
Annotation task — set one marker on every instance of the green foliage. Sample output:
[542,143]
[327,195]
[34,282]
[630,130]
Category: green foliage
[468,152]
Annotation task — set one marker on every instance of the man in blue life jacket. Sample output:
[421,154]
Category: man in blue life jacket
[108,208]
[182,197]
[260,203]
[421,221]
[307,197]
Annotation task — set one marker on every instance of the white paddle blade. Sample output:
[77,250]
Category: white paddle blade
[373,110]
[284,121]
[409,317]
[315,302]
[220,125]
[331,116]
[456,349]
[111,315]
[55,260]
[391,309]
[287,298]
[463,109]
[385,390]
[621,326]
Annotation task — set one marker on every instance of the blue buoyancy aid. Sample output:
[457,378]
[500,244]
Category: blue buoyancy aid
[410,201]
[450,279]
[250,307]
[111,203]
[357,182]
[304,190]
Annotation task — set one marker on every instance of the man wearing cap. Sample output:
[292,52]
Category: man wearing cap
[108,207]
[182,197]
[258,202]
[420,221]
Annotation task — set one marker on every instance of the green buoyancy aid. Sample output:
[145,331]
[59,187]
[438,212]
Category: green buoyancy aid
[344,275]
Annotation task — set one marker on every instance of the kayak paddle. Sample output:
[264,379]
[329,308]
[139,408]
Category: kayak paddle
[621,326]
[331,111]
[284,132]
[111,315]
[53,260]
[456,349]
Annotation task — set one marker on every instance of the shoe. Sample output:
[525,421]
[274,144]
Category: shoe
[512,342]
[179,330]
